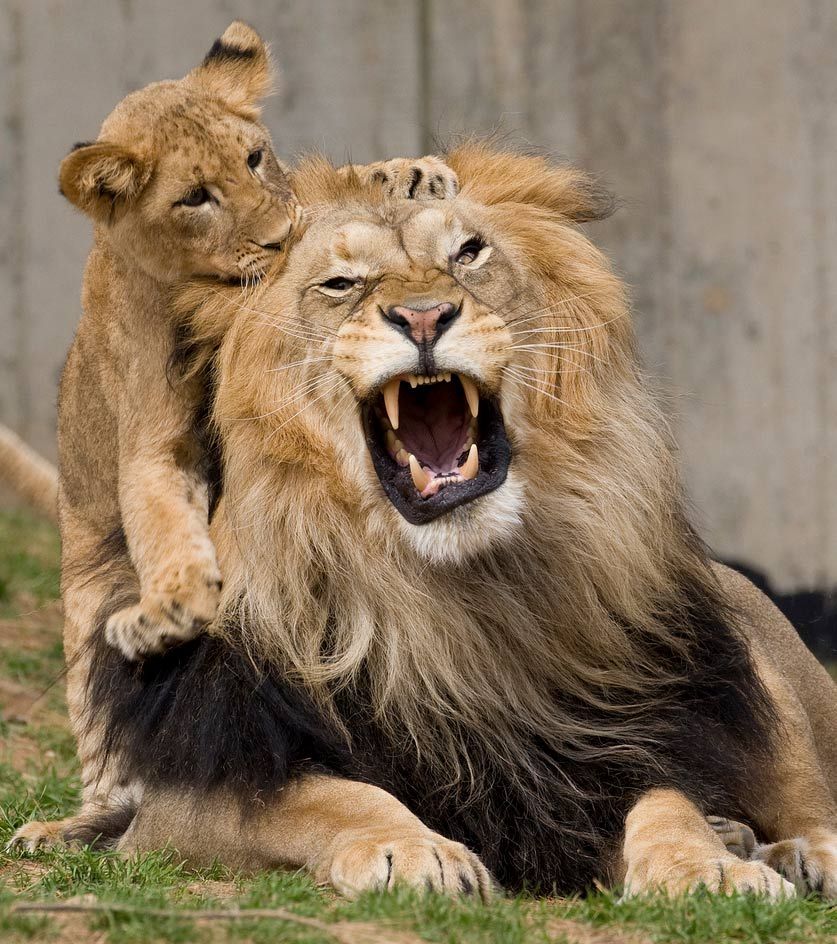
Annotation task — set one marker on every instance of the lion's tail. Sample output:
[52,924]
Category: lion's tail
[33,478]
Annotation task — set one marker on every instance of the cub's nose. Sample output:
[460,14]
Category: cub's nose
[423,325]
[276,234]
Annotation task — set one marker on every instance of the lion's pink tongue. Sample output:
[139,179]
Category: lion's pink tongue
[433,425]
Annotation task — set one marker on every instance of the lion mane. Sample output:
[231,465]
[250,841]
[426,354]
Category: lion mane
[518,699]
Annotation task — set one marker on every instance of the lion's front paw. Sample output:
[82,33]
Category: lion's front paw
[38,835]
[424,860]
[809,862]
[422,178]
[166,618]
[724,875]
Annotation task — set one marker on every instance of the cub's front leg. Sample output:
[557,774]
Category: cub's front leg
[670,847]
[165,512]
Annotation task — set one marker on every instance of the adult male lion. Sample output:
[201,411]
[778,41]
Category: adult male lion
[466,623]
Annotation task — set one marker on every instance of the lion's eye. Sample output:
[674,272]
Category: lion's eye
[195,197]
[339,285]
[254,158]
[469,250]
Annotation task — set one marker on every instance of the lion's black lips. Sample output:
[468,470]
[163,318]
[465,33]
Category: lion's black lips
[494,459]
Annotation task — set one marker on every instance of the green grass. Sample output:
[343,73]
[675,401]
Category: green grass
[28,562]
[38,779]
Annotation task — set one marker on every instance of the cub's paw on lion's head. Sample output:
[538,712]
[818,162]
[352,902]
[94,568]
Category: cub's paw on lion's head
[364,860]
[404,178]
[163,619]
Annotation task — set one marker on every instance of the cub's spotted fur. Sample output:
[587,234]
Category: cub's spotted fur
[182,182]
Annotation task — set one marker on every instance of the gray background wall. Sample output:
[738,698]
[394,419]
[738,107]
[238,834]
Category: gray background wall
[714,120]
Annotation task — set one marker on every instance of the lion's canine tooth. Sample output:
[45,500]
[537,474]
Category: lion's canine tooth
[472,395]
[420,477]
[469,469]
[391,400]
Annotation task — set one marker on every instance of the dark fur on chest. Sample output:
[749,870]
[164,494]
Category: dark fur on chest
[204,715]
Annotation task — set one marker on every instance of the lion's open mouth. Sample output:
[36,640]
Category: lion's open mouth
[436,443]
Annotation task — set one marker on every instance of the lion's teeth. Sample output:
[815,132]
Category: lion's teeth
[394,444]
[471,465]
[402,457]
[420,477]
[413,381]
[391,400]
[472,395]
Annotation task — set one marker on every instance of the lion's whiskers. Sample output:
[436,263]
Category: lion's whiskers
[561,329]
[294,333]
[321,330]
[327,392]
[551,371]
[537,314]
[548,350]
[524,380]
[299,363]
[302,390]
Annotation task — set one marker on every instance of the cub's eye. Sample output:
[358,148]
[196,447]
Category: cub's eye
[254,158]
[469,250]
[339,285]
[195,197]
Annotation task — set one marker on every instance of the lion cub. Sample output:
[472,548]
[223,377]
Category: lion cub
[181,183]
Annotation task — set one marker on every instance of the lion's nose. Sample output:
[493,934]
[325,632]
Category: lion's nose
[423,325]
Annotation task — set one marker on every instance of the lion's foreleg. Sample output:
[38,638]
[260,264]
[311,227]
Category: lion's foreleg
[349,834]
[669,847]
[107,798]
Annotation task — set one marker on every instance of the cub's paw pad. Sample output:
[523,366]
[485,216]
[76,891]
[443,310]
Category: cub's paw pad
[425,861]
[423,178]
[737,837]
[160,621]
[810,863]
[38,835]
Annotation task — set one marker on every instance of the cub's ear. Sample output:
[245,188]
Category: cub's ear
[101,178]
[237,68]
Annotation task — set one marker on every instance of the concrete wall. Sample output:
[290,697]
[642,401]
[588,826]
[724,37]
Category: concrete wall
[714,120]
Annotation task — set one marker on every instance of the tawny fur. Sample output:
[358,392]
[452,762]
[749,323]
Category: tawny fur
[29,475]
[161,149]
[329,584]
[594,497]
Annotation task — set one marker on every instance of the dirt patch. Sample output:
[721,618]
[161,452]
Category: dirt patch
[14,872]
[576,932]
[75,912]
[38,626]
[26,704]
[211,888]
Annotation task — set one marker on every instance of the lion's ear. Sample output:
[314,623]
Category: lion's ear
[491,176]
[237,69]
[101,178]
